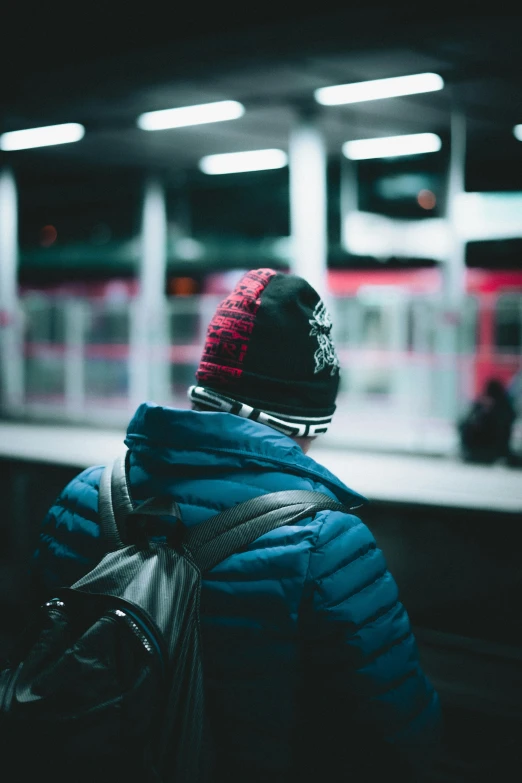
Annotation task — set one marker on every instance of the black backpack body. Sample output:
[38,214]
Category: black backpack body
[106,683]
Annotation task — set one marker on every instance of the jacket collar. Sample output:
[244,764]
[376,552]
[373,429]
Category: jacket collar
[217,441]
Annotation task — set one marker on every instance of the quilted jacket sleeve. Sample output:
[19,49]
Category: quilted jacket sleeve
[361,651]
[69,543]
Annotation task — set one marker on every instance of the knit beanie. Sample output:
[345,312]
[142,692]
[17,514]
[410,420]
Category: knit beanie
[269,355]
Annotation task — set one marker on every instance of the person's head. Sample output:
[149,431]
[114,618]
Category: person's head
[269,356]
[495,389]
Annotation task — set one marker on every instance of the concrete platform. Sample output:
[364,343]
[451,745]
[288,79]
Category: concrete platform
[387,477]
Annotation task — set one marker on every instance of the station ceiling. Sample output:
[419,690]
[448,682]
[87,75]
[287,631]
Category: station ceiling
[104,71]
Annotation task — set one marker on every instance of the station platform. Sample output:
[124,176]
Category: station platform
[450,533]
[438,481]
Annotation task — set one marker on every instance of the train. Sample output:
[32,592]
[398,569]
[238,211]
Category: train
[489,320]
[370,306]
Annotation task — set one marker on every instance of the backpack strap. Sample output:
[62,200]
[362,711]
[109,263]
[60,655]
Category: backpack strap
[114,503]
[223,534]
[121,523]
[213,540]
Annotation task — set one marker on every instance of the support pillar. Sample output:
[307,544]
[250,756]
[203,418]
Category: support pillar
[149,361]
[307,164]
[454,280]
[348,198]
[454,284]
[11,327]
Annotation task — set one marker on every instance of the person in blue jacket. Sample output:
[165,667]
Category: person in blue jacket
[311,668]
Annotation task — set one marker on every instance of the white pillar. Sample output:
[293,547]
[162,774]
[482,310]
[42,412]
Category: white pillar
[348,197]
[455,267]
[154,245]
[453,288]
[307,163]
[148,355]
[11,346]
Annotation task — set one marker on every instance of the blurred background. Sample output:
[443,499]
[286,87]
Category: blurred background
[117,240]
[148,158]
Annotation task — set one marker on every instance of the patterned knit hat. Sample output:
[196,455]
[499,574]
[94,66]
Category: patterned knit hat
[269,355]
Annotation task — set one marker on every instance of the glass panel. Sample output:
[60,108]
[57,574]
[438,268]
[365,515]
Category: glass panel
[184,331]
[106,352]
[44,340]
[468,327]
[374,376]
[508,324]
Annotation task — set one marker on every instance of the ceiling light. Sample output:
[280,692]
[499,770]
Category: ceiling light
[517,132]
[42,137]
[379,88]
[392,146]
[234,162]
[191,115]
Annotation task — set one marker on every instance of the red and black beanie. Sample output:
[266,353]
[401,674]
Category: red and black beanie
[269,355]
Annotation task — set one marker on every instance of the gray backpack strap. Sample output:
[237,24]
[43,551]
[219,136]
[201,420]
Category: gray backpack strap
[114,503]
[223,534]
[120,522]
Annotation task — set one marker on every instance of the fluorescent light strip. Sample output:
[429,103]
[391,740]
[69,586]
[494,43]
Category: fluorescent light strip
[191,115]
[42,137]
[378,88]
[235,162]
[392,146]
[517,132]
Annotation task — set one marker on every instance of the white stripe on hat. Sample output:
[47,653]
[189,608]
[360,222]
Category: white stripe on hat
[296,426]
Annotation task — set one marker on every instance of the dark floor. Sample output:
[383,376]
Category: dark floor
[459,576]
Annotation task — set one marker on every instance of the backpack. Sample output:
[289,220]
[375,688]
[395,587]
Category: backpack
[106,682]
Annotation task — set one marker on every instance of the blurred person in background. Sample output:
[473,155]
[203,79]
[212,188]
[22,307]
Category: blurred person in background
[311,668]
[485,431]
[515,392]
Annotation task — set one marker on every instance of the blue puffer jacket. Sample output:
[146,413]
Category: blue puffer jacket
[309,656]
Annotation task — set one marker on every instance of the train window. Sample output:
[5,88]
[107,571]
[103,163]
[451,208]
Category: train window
[421,319]
[467,334]
[377,329]
[374,329]
[44,329]
[410,326]
[108,325]
[184,321]
[344,312]
[44,320]
[508,324]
